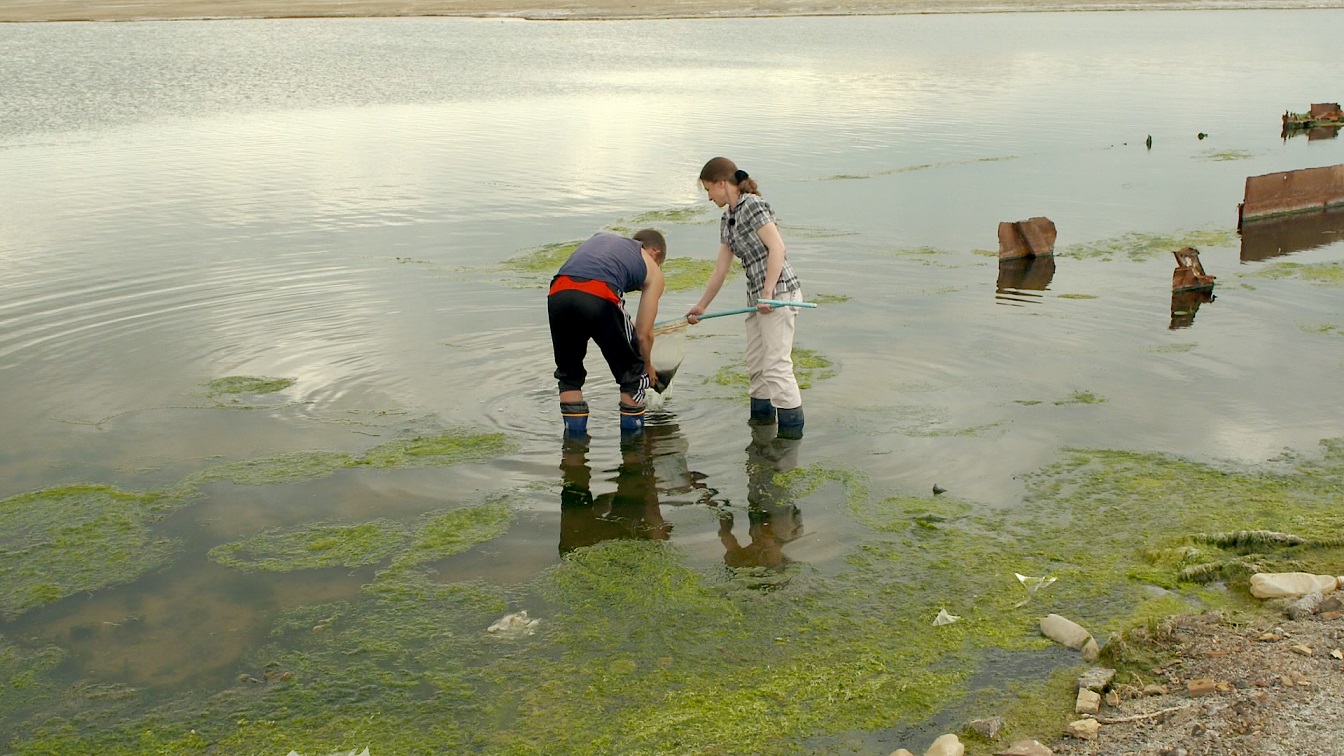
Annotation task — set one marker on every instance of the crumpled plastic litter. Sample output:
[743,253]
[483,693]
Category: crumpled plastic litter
[944,618]
[514,625]
[1032,584]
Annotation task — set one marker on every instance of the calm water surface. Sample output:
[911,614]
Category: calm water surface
[331,201]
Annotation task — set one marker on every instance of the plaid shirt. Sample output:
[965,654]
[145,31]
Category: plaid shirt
[738,230]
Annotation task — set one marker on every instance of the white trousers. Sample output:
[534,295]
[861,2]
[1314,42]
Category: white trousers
[770,354]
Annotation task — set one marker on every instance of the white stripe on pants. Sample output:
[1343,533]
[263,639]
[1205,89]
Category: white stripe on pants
[769,354]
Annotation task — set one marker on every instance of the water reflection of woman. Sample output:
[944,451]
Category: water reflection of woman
[631,511]
[773,518]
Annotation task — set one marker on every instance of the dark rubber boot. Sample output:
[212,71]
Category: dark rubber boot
[575,415]
[791,422]
[632,418]
[762,412]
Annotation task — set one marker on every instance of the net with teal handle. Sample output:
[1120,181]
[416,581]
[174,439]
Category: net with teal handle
[669,342]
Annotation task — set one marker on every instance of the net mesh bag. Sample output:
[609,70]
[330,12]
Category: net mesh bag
[669,349]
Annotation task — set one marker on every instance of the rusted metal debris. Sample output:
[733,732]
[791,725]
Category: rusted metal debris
[1034,237]
[1301,191]
[1321,114]
[1189,274]
[1322,121]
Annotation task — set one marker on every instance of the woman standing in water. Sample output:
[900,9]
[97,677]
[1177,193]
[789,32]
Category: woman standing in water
[748,232]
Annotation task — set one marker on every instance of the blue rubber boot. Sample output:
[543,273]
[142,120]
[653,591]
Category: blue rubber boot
[632,418]
[762,412]
[791,423]
[575,415]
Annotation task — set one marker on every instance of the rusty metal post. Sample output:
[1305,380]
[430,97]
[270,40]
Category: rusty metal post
[1189,274]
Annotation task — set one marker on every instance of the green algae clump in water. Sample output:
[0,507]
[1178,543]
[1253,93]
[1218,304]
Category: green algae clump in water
[543,260]
[313,546]
[441,450]
[25,676]
[281,468]
[63,541]
[246,384]
[1139,246]
[447,448]
[1325,274]
[808,366]
[685,273]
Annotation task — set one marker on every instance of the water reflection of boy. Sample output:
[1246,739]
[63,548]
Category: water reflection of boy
[774,519]
[631,511]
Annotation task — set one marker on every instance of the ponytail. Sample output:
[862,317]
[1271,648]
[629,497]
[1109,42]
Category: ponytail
[723,169]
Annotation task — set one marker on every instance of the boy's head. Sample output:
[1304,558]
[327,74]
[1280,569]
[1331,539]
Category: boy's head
[653,242]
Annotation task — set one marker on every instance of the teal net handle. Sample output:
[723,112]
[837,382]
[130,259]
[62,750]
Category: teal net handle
[740,311]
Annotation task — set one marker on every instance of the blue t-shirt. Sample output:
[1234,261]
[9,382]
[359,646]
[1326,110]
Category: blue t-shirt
[609,258]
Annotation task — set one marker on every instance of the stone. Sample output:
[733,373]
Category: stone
[1064,631]
[1290,584]
[1089,702]
[1201,687]
[1154,690]
[1304,607]
[901,752]
[1337,654]
[1096,678]
[1332,603]
[1025,748]
[1301,649]
[1112,699]
[986,728]
[1083,729]
[946,745]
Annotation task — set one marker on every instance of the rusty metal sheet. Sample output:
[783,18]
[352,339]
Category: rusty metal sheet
[1034,237]
[1292,192]
[1322,110]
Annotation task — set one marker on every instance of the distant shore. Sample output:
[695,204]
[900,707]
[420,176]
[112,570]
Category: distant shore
[26,11]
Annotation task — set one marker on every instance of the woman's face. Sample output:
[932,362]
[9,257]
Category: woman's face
[717,191]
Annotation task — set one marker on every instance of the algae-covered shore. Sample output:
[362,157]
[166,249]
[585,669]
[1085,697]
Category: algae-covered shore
[639,650]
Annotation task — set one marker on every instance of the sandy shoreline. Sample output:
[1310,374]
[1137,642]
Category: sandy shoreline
[27,11]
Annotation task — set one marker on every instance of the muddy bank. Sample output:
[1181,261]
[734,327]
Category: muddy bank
[104,10]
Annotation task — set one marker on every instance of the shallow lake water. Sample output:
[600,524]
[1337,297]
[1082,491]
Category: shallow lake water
[337,202]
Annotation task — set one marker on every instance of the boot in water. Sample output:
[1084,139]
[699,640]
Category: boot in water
[791,422]
[632,417]
[762,412]
[575,415]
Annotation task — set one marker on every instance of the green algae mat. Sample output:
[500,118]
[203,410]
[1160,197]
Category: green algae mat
[641,650]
